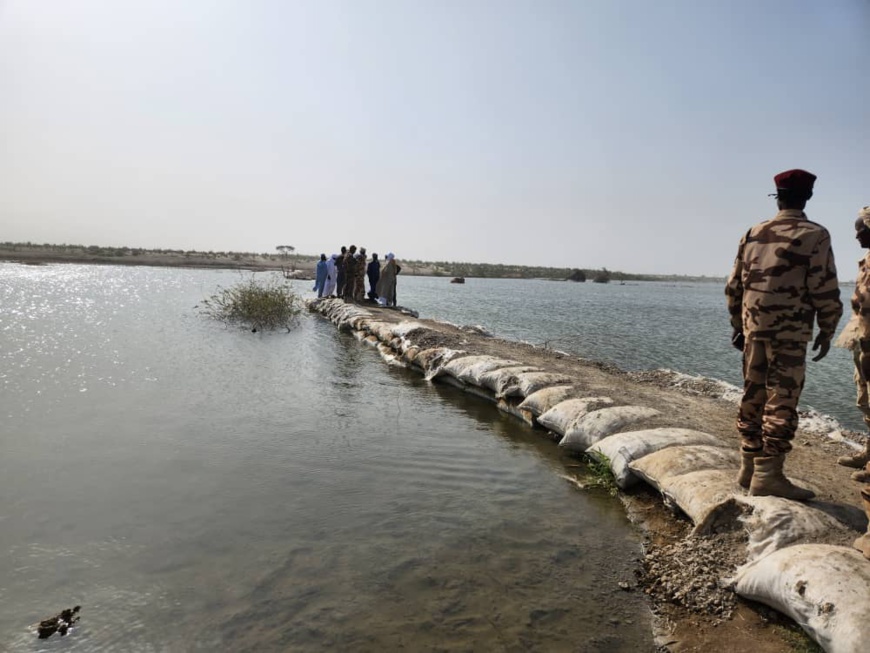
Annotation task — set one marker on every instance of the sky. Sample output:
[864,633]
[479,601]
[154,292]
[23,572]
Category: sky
[637,135]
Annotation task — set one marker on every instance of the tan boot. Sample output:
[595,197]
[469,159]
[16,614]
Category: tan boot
[863,542]
[747,466]
[769,481]
[863,475]
[858,460]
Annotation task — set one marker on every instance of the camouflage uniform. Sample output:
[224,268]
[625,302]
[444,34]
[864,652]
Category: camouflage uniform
[784,277]
[350,275]
[360,288]
[861,308]
[340,277]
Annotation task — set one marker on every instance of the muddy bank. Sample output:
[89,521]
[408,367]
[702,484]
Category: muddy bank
[670,443]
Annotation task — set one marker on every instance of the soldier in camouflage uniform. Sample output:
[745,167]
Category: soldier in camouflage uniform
[339,272]
[359,292]
[349,273]
[861,310]
[859,341]
[784,279]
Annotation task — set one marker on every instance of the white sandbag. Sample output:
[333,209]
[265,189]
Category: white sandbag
[654,468]
[623,448]
[539,402]
[561,417]
[824,588]
[443,356]
[467,368]
[426,358]
[600,423]
[700,494]
[383,331]
[774,523]
[503,376]
[388,354]
[542,401]
[358,322]
[410,354]
[524,384]
[371,340]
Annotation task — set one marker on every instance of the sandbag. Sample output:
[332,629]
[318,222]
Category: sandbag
[654,468]
[426,358]
[623,448]
[525,383]
[501,377]
[542,401]
[468,369]
[383,331]
[561,417]
[443,356]
[410,354]
[700,494]
[388,354]
[371,340]
[824,588]
[600,423]
[539,402]
[774,523]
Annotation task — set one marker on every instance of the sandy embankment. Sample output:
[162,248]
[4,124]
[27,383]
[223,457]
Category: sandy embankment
[692,549]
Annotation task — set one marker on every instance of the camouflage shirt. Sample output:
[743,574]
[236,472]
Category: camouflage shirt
[783,278]
[861,296]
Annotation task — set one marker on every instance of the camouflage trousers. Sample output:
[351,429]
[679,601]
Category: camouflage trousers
[773,378]
[863,401]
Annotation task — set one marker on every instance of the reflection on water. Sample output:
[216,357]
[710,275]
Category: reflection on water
[194,487]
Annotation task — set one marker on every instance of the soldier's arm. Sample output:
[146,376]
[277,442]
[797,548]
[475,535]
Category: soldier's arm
[734,289]
[823,287]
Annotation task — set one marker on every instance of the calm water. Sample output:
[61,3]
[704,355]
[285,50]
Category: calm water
[680,326]
[198,488]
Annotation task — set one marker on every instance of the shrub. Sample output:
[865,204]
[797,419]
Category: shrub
[255,304]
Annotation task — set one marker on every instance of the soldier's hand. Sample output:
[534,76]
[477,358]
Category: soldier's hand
[823,345]
[738,340]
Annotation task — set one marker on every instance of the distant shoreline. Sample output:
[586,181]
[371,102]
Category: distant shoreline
[297,265]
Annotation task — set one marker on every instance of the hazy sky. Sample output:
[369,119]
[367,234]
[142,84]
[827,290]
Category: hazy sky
[640,135]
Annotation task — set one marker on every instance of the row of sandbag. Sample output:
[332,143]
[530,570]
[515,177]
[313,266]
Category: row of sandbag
[822,587]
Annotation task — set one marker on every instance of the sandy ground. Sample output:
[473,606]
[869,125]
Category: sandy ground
[715,616]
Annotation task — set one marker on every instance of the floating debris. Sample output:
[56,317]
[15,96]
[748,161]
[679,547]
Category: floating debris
[59,624]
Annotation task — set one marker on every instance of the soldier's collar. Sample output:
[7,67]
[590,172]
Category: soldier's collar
[791,213]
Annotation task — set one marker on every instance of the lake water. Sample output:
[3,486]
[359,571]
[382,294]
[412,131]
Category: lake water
[201,488]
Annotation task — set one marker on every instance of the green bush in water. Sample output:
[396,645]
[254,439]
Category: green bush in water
[255,304]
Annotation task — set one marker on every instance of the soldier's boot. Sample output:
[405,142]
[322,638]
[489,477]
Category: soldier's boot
[857,460]
[769,481]
[747,466]
[863,542]
[863,475]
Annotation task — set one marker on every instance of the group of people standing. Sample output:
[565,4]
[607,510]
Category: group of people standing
[783,282]
[344,275]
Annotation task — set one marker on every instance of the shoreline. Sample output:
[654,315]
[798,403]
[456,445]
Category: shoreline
[302,265]
[700,550]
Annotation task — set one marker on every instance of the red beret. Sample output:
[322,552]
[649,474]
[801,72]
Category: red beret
[795,180]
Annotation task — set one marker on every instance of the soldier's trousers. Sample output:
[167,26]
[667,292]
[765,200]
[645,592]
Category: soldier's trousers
[773,378]
[863,401]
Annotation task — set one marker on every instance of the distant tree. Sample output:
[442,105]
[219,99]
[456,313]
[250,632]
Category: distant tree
[285,249]
[602,276]
[577,275]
